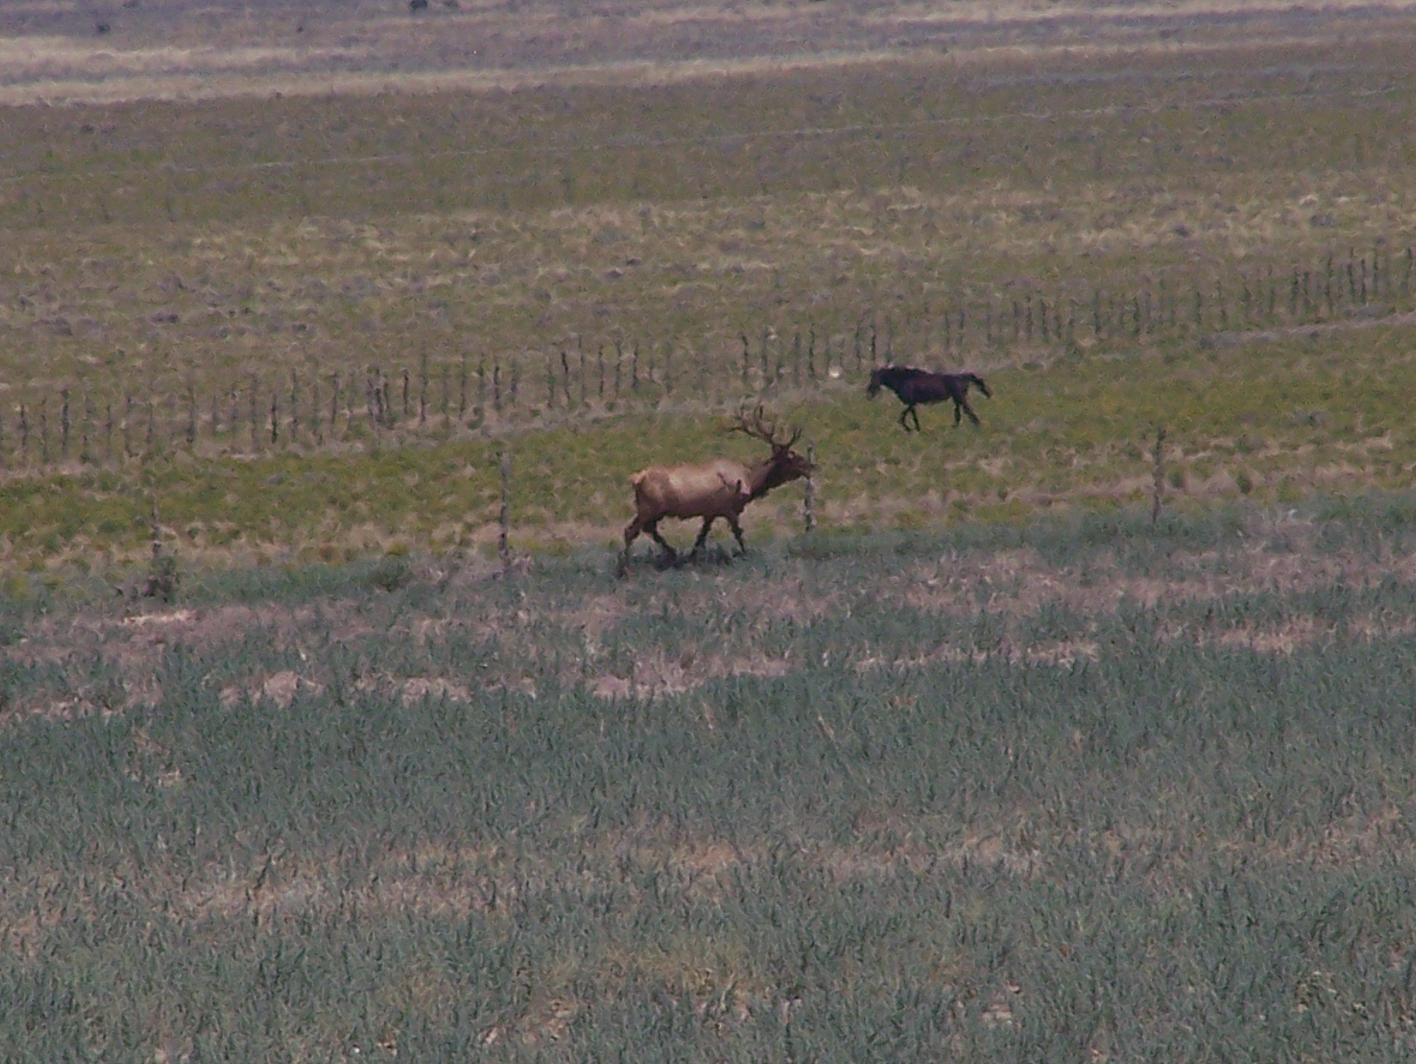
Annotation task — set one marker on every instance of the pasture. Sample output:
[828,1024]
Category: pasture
[1067,790]
[987,765]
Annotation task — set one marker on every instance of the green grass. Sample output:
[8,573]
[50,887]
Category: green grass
[850,802]
[1275,421]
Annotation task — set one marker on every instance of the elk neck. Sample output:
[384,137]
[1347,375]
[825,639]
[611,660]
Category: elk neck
[765,475]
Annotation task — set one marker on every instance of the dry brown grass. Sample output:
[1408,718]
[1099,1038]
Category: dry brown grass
[162,52]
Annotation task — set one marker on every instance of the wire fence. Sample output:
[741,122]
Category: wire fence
[75,425]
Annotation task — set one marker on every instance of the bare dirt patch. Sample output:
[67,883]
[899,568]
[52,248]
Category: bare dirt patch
[279,688]
[412,690]
[659,675]
[1060,653]
[1020,582]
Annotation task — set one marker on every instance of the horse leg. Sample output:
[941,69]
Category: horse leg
[958,415]
[967,410]
[914,411]
[905,413]
[669,553]
[702,535]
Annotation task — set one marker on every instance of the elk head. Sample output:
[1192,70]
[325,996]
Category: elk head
[785,464]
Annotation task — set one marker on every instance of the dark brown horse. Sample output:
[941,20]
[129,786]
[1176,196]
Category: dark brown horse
[915,386]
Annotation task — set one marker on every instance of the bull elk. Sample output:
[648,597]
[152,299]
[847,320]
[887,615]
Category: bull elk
[710,490]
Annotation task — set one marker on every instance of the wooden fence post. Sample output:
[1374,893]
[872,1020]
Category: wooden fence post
[1158,473]
[334,407]
[580,350]
[294,416]
[255,418]
[808,499]
[372,399]
[316,429]
[504,511]
[423,389]
[191,415]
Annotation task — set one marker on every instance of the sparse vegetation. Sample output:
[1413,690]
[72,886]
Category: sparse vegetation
[990,794]
[1004,760]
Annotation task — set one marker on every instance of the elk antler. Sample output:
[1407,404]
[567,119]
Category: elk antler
[756,426]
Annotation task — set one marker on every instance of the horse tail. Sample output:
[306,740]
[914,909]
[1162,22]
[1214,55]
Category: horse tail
[977,380]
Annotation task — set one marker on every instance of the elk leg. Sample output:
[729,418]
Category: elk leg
[737,533]
[631,533]
[702,535]
[653,529]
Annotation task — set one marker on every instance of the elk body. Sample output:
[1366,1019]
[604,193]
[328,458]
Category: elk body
[720,488]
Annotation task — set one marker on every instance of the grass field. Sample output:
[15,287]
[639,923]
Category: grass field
[179,265]
[988,766]
[1068,790]
[1273,420]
